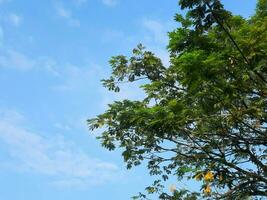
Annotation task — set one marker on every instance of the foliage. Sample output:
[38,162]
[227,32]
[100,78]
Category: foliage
[204,116]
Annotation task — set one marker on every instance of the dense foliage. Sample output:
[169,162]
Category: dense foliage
[204,116]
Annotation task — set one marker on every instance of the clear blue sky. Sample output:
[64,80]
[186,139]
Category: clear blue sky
[52,55]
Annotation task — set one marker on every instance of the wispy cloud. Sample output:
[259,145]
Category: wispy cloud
[158,30]
[56,157]
[15,60]
[117,37]
[63,127]
[4,1]
[156,37]
[67,77]
[14,19]
[1,36]
[74,78]
[80,2]
[67,15]
[110,3]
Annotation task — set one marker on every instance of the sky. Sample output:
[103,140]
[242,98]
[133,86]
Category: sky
[53,54]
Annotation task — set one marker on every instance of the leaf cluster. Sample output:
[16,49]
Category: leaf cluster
[204,117]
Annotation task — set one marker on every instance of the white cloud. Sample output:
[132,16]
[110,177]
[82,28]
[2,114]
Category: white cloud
[49,66]
[158,30]
[69,77]
[14,19]
[110,2]
[75,78]
[62,12]
[80,2]
[56,157]
[16,60]
[67,15]
[110,35]
[1,36]
[13,59]
[11,116]
[4,1]
[63,127]
[156,38]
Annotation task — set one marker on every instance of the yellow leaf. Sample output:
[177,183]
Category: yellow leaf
[207,190]
[209,176]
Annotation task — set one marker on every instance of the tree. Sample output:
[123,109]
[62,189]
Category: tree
[204,116]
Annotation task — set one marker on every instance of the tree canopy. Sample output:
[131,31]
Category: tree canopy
[204,116]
